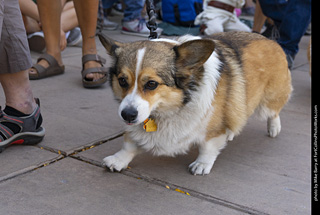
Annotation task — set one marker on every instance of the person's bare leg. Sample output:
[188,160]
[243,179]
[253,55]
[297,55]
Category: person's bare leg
[30,15]
[259,19]
[31,25]
[87,13]
[17,90]
[69,18]
[50,13]
[30,9]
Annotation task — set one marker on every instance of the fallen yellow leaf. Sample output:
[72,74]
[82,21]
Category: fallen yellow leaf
[180,191]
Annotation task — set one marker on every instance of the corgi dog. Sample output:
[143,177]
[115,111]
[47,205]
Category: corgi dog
[192,91]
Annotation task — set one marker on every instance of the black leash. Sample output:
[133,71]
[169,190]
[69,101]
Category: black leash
[151,25]
[100,17]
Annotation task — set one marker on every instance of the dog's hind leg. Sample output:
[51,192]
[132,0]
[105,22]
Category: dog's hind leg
[208,153]
[230,135]
[276,96]
[274,126]
[270,110]
[273,120]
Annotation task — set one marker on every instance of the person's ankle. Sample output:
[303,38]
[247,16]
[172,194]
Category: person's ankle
[56,55]
[26,107]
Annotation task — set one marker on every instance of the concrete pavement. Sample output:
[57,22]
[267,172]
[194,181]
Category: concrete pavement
[255,174]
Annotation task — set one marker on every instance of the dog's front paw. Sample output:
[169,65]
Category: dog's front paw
[115,163]
[200,168]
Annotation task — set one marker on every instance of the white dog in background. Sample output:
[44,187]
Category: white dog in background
[219,16]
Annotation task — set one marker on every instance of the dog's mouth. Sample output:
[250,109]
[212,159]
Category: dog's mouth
[136,122]
[131,116]
[132,122]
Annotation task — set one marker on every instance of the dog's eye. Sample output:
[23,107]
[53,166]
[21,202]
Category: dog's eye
[123,82]
[151,85]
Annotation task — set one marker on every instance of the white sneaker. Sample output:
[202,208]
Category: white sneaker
[74,37]
[109,25]
[136,27]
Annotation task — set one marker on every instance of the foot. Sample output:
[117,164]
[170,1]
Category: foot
[122,158]
[208,153]
[45,64]
[137,27]
[274,126]
[119,160]
[116,162]
[201,167]
[230,135]
[20,128]
[74,37]
[290,59]
[93,76]
[109,25]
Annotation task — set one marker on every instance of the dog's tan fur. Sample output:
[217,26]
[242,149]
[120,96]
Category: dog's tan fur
[237,74]
[258,83]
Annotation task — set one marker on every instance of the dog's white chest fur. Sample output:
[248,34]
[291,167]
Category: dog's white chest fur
[173,136]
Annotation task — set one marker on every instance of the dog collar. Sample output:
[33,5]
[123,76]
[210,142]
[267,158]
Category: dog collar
[149,125]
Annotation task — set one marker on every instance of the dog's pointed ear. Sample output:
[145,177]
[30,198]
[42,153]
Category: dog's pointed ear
[110,44]
[194,53]
[190,57]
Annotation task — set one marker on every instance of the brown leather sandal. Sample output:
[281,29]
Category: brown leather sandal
[53,69]
[90,83]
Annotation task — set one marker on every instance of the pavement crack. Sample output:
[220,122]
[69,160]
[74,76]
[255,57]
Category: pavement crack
[47,163]
[53,150]
[30,168]
[128,172]
[193,193]
[94,144]
[61,155]
[175,188]
[87,160]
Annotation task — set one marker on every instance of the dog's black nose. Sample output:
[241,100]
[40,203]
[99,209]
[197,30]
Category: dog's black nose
[129,114]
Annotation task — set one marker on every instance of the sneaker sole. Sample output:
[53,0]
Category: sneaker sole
[24,138]
[36,43]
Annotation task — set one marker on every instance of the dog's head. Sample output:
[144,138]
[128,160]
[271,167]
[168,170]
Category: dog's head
[154,77]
